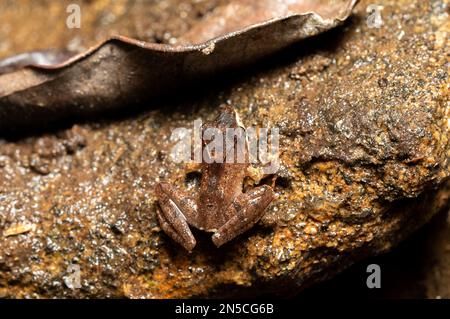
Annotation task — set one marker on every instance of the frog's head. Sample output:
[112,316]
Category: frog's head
[227,118]
[227,127]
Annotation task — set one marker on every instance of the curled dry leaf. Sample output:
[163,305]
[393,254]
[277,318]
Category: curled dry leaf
[46,86]
[18,229]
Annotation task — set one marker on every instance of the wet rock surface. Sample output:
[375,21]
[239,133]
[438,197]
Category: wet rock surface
[417,268]
[363,115]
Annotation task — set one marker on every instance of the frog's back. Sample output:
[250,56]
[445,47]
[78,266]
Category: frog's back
[221,182]
[220,185]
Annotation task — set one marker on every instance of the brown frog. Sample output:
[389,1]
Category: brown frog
[221,206]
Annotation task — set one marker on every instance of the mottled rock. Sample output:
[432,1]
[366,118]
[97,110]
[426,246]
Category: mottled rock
[363,115]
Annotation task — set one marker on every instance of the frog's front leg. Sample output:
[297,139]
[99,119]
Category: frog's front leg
[176,212]
[246,209]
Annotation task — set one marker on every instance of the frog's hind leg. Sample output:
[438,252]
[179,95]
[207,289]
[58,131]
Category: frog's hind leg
[175,212]
[187,241]
[247,209]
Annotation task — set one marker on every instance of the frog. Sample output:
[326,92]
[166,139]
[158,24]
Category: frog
[222,207]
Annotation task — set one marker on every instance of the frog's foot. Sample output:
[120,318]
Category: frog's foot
[247,210]
[175,212]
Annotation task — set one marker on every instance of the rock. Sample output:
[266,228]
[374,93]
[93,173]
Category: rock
[364,124]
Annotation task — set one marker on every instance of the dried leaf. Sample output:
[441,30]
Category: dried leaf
[122,70]
[18,229]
